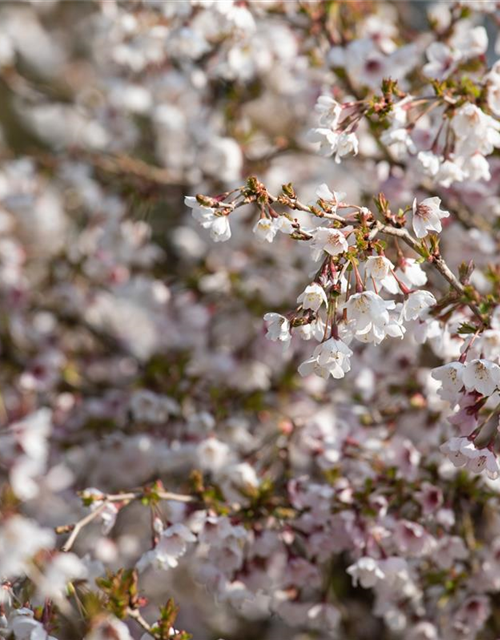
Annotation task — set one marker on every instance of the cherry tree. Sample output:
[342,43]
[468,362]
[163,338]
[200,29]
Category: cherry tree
[250,320]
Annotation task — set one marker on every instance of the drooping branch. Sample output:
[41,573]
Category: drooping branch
[368,218]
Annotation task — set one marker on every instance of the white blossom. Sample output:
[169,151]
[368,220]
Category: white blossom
[329,358]
[482,376]
[333,198]
[63,568]
[23,626]
[450,172]
[266,229]
[313,297]
[172,545]
[493,89]
[218,225]
[347,143]
[330,240]
[463,453]
[367,572]
[442,61]
[369,315]
[20,540]
[427,216]
[451,377]
[278,328]
[329,111]
[417,303]
[380,269]
[476,132]
[327,139]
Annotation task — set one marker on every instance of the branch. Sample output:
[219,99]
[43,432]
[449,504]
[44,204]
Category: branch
[164,495]
[76,528]
[136,615]
[437,261]
[122,166]
[107,499]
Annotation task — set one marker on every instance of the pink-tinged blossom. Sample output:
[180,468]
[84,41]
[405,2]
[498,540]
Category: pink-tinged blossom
[450,550]
[442,61]
[423,630]
[430,497]
[302,573]
[412,539]
[466,418]
[323,617]
[480,460]
[453,451]
[473,613]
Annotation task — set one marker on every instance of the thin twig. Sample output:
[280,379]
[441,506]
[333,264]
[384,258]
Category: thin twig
[81,524]
[110,498]
[164,495]
[437,261]
[136,615]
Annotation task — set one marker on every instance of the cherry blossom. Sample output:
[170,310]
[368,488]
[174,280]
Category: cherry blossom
[329,358]
[442,61]
[278,328]
[266,229]
[482,376]
[427,216]
[172,545]
[332,241]
[451,378]
[417,303]
[329,111]
[367,572]
[463,453]
[313,297]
